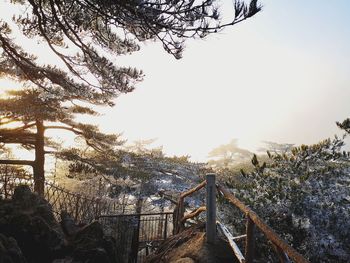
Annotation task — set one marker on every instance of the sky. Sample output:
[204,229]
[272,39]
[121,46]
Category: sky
[280,76]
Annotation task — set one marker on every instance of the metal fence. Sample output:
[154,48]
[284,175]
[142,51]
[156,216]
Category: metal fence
[81,208]
[137,235]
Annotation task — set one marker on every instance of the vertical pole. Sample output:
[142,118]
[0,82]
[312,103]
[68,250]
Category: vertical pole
[77,201]
[5,184]
[211,209]
[250,240]
[165,227]
[136,237]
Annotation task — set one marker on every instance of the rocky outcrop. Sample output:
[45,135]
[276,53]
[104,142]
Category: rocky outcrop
[30,233]
[29,220]
[9,250]
[190,247]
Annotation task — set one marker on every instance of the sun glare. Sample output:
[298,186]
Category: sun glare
[6,85]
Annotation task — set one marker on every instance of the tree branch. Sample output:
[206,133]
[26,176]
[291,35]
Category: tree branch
[18,162]
[71,129]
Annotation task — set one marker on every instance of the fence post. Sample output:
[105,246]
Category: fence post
[211,209]
[165,227]
[6,181]
[250,240]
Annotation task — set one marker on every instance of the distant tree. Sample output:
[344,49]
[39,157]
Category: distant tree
[277,148]
[143,147]
[228,154]
[83,34]
[5,152]
[32,112]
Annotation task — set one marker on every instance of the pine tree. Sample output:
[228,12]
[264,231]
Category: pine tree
[228,154]
[86,36]
[32,112]
[95,30]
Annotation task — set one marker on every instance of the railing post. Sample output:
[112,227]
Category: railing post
[77,201]
[5,183]
[211,209]
[165,227]
[250,240]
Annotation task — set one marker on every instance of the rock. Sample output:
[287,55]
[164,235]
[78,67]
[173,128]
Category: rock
[90,245]
[183,260]
[9,251]
[29,220]
[68,225]
[190,246]
[29,233]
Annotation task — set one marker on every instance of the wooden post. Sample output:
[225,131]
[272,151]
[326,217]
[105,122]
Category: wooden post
[211,209]
[250,240]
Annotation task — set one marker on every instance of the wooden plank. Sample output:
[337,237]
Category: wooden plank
[232,242]
[239,237]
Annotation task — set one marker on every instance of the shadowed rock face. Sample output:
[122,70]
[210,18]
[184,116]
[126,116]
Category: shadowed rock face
[29,220]
[90,245]
[9,250]
[30,233]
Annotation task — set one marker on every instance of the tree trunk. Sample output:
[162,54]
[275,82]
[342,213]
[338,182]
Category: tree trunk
[39,166]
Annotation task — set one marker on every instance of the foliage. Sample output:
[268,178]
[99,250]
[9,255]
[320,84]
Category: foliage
[25,107]
[344,125]
[228,155]
[26,115]
[278,148]
[305,196]
[82,35]
[142,147]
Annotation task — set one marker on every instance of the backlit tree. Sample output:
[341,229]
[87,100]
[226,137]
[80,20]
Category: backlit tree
[27,114]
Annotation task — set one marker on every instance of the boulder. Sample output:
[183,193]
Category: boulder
[91,245]
[29,220]
[30,233]
[9,251]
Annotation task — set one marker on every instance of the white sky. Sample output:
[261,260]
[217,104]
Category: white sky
[281,76]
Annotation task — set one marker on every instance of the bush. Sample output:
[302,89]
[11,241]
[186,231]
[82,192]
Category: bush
[305,197]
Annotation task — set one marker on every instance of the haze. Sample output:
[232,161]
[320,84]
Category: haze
[281,76]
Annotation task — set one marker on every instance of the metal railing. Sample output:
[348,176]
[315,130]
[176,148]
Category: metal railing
[137,235]
[81,208]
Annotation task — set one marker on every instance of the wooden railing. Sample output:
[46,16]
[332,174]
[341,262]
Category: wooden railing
[179,212]
[285,252]
[253,222]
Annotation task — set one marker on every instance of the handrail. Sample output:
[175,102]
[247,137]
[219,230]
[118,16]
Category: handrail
[138,214]
[268,231]
[194,189]
[179,212]
[283,250]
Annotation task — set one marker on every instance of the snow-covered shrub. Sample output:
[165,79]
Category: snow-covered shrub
[305,197]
